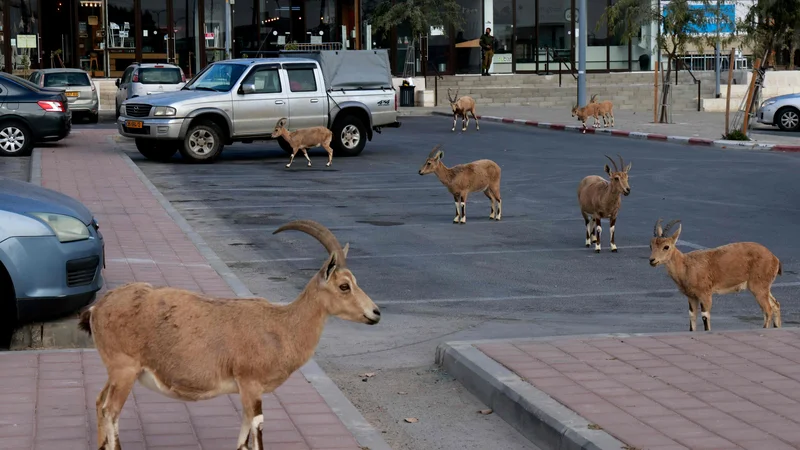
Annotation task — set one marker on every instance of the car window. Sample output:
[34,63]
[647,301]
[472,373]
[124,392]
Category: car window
[302,80]
[160,75]
[265,79]
[126,77]
[66,79]
[218,77]
[22,82]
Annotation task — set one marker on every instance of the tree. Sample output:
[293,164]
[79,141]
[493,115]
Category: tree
[772,25]
[680,22]
[419,15]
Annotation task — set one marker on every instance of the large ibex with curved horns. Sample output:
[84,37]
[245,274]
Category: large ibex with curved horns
[191,347]
[461,106]
[463,179]
[600,199]
[723,270]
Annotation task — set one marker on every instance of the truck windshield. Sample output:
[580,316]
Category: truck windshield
[219,77]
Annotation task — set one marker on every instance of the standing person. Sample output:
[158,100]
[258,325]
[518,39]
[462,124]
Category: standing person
[487,47]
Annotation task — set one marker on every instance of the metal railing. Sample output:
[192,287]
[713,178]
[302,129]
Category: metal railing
[562,61]
[304,46]
[436,77]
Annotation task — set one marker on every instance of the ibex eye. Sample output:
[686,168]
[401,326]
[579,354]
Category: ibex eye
[666,248]
[344,287]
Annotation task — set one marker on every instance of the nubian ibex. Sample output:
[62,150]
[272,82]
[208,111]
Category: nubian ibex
[303,139]
[190,347]
[729,268]
[600,199]
[461,106]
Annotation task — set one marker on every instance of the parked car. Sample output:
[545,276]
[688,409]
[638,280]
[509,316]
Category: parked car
[241,100]
[51,255]
[76,85]
[39,114]
[143,79]
[783,111]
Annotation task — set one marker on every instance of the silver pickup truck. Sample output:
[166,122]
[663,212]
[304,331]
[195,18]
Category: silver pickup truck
[241,100]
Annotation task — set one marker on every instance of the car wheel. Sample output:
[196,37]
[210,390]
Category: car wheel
[15,139]
[349,136]
[94,118]
[161,151]
[285,145]
[203,143]
[116,110]
[8,309]
[788,119]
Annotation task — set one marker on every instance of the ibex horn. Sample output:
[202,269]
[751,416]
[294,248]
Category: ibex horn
[656,227]
[434,151]
[612,162]
[669,225]
[621,162]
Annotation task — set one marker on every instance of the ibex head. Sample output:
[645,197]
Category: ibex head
[661,245]
[575,111]
[453,100]
[279,127]
[335,284]
[592,100]
[432,162]
[619,176]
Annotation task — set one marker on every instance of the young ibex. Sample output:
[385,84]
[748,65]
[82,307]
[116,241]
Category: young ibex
[463,179]
[600,199]
[606,110]
[461,106]
[191,347]
[583,114]
[723,270]
[305,138]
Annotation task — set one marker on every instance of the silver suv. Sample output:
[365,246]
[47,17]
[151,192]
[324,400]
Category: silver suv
[143,79]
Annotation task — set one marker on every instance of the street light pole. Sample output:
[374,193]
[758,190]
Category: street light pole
[582,52]
[717,51]
[228,28]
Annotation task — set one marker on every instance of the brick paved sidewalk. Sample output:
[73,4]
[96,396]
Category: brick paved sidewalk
[727,390]
[47,398]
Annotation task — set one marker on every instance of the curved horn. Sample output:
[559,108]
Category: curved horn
[612,162]
[434,151]
[621,162]
[449,97]
[669,225]
[318,231]
[656,227]
[455,97]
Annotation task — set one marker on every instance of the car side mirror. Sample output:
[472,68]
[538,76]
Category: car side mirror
[117,82]
[247,88]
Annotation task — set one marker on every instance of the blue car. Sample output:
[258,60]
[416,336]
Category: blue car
[51,255]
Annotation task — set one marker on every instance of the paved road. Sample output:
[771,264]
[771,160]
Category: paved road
[529,275]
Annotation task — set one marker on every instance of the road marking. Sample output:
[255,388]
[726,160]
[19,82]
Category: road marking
[550,296]
[424,255]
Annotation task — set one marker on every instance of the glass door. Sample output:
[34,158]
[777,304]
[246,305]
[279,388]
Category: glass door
[525,46]
[554,36]
[503,31]
[467,48]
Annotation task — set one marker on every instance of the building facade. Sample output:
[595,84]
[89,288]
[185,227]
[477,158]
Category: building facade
[105,36]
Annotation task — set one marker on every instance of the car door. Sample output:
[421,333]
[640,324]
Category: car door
[306,95]
[122,91]
[256,113]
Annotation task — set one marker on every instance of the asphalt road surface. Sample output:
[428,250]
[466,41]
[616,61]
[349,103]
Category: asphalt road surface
[528,275]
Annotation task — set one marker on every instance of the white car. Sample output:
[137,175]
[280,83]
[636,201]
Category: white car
[143,79]
[783,111]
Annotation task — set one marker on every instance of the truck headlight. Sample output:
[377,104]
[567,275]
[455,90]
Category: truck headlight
[164,111]
[66,228]
[122,110]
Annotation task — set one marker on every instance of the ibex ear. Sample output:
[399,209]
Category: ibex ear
[329,267]
[608,169]
[439,154]
[345,249]
[677,233]
[628,168]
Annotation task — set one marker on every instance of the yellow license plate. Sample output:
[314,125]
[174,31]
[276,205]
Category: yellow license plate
[134,124]
[72,94]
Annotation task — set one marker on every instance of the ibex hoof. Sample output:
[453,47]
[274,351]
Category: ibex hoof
[456,220]
[328,165]
[597,250]
[453,129]
[288,165]
[464,220]
[613,250]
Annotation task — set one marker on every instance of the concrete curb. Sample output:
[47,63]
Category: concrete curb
[35,168]
[540,418]
[361,430]
[720,143]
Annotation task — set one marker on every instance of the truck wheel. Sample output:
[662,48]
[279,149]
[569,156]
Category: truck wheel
[160,151]
[8,309]
[203,143]
[285,145]
[349,136]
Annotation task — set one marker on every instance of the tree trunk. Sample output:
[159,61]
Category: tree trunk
[665,91]
[792,49]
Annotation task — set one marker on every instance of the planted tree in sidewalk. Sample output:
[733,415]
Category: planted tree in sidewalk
[772,25]
[420,16]
[679,22]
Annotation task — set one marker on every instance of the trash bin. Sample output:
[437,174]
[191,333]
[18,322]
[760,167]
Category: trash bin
[406,95]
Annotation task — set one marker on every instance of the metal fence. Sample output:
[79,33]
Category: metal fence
[317,46]
[698,63]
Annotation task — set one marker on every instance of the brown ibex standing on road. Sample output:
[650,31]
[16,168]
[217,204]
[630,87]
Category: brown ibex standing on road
[722,270]
[462,106]
[305,138]
[600,199]
[463,179]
